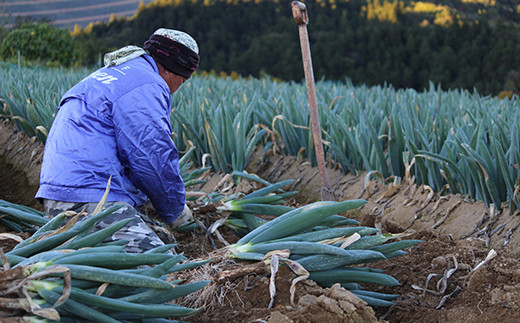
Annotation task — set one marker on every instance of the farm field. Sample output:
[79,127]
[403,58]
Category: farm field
[441,167]
[66,13]
[490,293]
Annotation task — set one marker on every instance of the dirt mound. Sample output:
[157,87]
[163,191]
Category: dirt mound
[247,299]
[313,303]
[442,281]
[438,278]
[21,153]
[399,207]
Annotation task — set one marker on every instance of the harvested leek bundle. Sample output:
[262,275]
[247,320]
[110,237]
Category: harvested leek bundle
[327,254]
[20,218]
[327,245]
[72,275]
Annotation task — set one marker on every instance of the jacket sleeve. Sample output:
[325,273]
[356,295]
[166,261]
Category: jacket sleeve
[143,136]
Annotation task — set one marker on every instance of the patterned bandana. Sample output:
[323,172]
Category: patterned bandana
[180,37]
[177,51]
[174,50]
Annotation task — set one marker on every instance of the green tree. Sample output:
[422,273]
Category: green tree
[39,42]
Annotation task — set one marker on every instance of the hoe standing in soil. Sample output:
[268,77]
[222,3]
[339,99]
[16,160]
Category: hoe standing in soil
[300,16]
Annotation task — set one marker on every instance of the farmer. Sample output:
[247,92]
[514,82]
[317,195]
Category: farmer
[115,124]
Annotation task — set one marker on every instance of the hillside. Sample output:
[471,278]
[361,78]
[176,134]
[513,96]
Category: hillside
[464,44]
[456,44]
[66,13]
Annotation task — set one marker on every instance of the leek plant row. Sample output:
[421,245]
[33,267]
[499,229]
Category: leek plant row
[454,140]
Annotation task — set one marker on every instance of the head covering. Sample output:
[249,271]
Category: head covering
[122,55]
[175,50]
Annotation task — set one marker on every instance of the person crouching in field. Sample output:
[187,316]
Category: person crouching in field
[115,124]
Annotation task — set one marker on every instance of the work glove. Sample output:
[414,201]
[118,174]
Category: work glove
[183,218]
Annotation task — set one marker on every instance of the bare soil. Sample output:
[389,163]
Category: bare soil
[439,282]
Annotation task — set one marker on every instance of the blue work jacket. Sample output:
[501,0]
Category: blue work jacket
[115,123]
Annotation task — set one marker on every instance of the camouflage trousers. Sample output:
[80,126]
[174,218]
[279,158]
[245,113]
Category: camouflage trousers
[138,232]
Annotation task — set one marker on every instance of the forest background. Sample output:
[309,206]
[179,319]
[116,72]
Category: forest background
[456,44]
